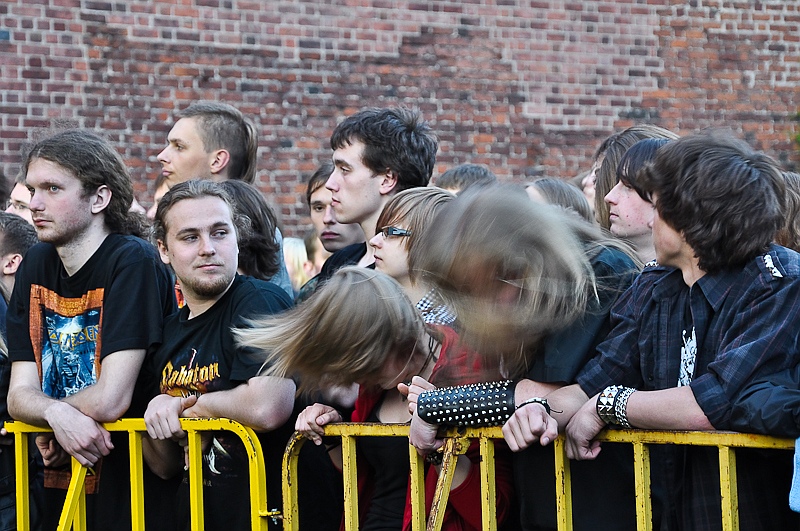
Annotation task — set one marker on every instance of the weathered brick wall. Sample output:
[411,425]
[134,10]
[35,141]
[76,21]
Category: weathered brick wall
[526,87]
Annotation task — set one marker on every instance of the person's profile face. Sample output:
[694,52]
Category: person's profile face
[185,157]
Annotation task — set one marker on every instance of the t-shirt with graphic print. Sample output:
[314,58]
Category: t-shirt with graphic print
[67,325]
[199,356]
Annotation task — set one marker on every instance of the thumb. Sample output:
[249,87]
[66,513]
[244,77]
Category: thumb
[188,401]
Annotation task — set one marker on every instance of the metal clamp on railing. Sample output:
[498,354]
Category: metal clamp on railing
[74,512]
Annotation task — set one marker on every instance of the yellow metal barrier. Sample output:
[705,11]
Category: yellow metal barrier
[457,443]
[725,441]
[74,513]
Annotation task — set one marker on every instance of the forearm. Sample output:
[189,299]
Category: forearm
[667,409]
[163,457]
[263,403]
[527,389]
[92,402]
[109,398]
[30,405]
[565,402]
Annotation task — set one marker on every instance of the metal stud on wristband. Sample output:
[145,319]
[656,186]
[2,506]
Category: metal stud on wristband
[612,405]
[481,404]
[621,406]
[605,404]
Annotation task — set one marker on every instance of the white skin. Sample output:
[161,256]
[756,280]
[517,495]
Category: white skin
[391,257]
[19,202]
[160,191]
[186,158]
[631,219]
[331,233]
[666,409]
[202,248]
[588,182]
[358,194]
[74,223]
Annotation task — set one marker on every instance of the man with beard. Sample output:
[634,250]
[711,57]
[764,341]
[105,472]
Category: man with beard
[86,311]
[202,372]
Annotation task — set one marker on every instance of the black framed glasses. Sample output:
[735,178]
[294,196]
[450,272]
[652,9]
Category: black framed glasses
[395,231]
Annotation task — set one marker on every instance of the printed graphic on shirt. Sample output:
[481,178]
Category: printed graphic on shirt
[688,357]
[189,379]
[193,373]
[67,351]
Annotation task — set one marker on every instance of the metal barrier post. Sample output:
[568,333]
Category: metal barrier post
[641,472]
[289,482]
[728,489]
[22,479]
[563,486]
[417,489]
[350,477]
[74,513]
[488,485]
[137,487]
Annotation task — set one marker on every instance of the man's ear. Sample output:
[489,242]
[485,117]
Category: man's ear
[10,263]
[101,199]
[219,160]
[162,251]
[388,182]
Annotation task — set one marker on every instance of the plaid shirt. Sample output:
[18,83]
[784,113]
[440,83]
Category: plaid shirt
[434,311]
[746,322]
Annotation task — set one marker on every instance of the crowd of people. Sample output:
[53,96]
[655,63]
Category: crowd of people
[658,291]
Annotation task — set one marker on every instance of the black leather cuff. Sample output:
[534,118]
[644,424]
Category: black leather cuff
[474,405]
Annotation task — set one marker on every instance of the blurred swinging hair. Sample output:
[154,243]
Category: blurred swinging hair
[513,270]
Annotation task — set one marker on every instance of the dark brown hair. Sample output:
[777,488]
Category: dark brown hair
[726,199]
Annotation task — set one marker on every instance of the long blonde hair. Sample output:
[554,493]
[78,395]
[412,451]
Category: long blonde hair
[344,334]
[494,244]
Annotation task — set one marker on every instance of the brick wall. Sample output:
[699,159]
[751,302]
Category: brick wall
[527,87]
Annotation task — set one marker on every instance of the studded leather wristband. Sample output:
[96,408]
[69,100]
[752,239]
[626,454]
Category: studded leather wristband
[612,405]
[481,404]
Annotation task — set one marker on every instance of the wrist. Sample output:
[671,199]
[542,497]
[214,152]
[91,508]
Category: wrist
[55,411]
[612,405]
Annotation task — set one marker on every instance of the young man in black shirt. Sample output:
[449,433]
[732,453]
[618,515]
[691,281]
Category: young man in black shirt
[87,309]
[201,370]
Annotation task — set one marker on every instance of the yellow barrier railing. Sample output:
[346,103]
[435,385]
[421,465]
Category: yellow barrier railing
[457,442]
[725,441]
[73,514]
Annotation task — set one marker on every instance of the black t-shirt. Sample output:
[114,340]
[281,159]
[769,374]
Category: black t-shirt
[198,356]
[67,325]
[349,255]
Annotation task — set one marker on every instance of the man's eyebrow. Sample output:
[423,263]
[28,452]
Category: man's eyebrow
[217,225]
[340,162]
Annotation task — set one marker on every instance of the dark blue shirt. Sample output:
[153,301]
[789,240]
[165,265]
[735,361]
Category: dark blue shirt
[747,324]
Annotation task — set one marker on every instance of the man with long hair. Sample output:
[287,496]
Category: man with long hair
[87,308]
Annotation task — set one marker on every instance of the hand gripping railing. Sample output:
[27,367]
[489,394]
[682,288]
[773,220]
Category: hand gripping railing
[457,442]
[74,511]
